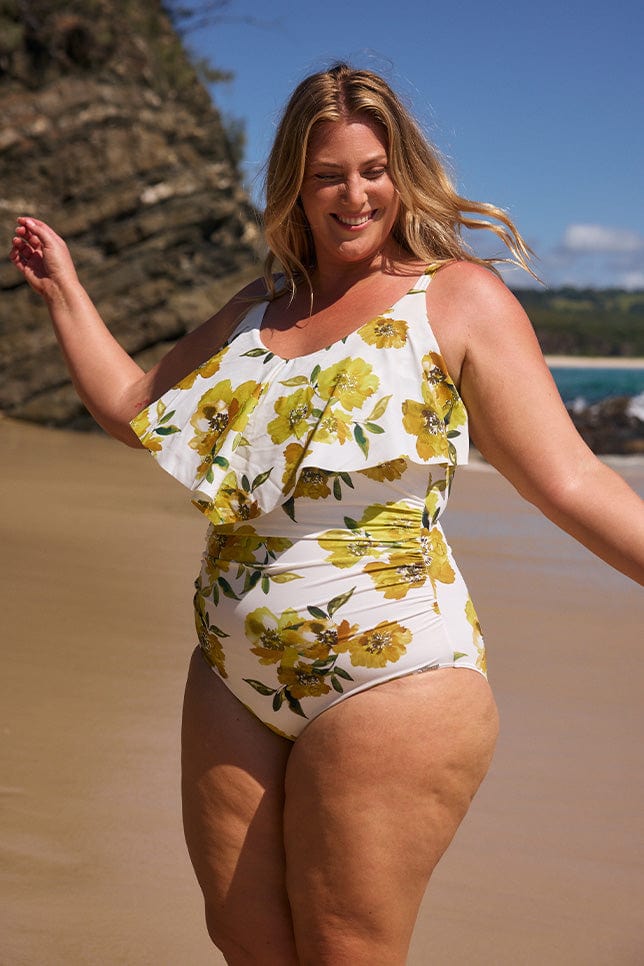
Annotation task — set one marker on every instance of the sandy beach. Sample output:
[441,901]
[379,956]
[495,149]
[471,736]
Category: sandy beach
[99,550]
[596,362]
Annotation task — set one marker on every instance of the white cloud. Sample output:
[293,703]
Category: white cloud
[632,280]
[591,239]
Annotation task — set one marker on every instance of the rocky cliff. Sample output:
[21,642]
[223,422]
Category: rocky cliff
[109,135]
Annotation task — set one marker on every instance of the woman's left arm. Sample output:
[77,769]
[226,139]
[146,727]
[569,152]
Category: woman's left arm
[520,425]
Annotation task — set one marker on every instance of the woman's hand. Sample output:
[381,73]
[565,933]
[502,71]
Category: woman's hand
[43,258]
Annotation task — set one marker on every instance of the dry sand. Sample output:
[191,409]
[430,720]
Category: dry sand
[99,550]
[596,362]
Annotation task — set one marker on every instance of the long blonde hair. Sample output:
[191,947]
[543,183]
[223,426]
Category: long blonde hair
[431,213]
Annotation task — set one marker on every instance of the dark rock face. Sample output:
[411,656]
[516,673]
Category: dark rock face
[610,426]
[109,136]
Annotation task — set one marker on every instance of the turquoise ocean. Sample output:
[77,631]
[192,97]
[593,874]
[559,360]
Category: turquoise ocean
[580,384]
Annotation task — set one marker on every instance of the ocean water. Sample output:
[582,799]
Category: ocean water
[590,385]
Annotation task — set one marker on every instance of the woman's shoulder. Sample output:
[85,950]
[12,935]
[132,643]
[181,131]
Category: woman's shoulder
[464,293]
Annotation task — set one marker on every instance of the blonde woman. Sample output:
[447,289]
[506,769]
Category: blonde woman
[338,719]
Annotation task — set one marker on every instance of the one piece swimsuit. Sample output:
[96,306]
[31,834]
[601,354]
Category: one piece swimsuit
[325,570]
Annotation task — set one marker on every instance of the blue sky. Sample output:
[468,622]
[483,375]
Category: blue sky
[537,107]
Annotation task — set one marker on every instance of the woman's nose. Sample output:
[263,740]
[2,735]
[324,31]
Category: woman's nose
[354,191]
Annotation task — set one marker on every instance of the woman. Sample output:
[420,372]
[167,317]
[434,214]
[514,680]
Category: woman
[318,424]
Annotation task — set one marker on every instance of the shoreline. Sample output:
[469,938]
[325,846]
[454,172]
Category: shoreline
[595,362]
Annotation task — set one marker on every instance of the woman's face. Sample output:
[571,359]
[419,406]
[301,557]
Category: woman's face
[348,197]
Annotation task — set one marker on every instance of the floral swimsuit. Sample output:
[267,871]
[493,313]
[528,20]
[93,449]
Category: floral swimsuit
[325,570]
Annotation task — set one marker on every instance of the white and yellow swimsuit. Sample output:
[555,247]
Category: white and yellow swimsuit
[325,569]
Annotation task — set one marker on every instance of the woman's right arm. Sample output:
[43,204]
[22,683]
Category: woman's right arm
[108,381]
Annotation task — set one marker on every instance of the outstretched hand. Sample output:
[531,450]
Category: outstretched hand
[43,258]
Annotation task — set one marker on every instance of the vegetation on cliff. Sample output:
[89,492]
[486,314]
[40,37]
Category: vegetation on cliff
[586,322]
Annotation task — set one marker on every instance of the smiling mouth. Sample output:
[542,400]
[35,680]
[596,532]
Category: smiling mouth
[356,221]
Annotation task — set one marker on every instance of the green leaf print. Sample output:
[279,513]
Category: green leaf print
[374,428]
[317,612]
[346,479]
[167,430]
[289,508]
[314,374]
[260,478]
[167,416]
[379,409]
[351,524]
[254,353]
[251,580]
[278,700]
[322,665]
[337,489]
[240,440]
[335,684]
[294,381]
[285,578]
[221,461]
[294,704]
[339,601]
[341,673]
[361,439]
[245,483]
[227,589]
[459,654]
[266,585]
[261,688]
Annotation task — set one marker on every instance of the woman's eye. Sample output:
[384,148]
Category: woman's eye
[374,173]
[327,177]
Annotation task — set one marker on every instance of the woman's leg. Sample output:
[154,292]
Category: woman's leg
[233,795]
[375,790]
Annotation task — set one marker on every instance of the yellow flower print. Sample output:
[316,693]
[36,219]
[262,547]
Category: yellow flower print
[324,637]
[312,483]
[209,639]
[293,414]
[385,333]
[350,382]
[208,368]
[383,644]
[444,391]
[435,373]
[293,454]
[231,503]
[276,638]
[398,574]
[391,470]
[435,555]
[477,635]
[334,426]
[303,681]
[347,547]
[392,522]
[219,409]
[422,420]
[410,568]
[141,426]
[240,546]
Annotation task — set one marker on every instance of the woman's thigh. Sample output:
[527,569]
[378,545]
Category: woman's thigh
[233,794]
[376,787]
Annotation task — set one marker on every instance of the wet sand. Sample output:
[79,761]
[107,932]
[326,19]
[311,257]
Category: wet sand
[99,550]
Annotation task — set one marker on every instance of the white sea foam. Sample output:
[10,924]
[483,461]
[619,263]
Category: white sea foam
[635,407]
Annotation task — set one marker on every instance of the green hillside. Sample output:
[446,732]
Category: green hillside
[586,322]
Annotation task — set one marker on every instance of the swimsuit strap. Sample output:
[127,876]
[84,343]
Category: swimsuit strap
[421,285]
